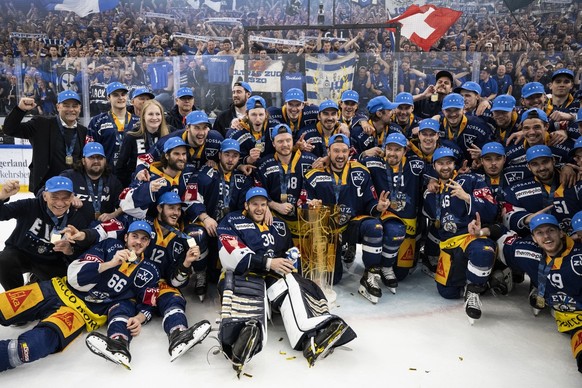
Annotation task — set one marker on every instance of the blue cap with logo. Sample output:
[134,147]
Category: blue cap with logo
[230,145]
[327,104]
[532,88]
[294,94]
[567,72]
[534,113]
[396,138]
[576,222]
[578,116]
[114,86]
[59,183]
[256,102]
[68,95]
[197,117]
[404,98]
[93,148]
[244,85]
[472,87]
[339,138]
[431,124]
[380,103]
[505,103]
[142,90]
[350,95]
[538,151]
[442,152]
[542,219]
[256,192]
[453,100]
[174,142]
[140,226]
[279,129]
[184,92]
[493,148]
[170,198]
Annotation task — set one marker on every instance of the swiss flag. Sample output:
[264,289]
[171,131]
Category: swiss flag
[424,25]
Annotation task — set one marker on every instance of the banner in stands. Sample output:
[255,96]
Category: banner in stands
[327,79]
[263,76]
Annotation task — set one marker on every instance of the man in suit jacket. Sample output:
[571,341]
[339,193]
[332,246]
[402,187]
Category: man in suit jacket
[57,141]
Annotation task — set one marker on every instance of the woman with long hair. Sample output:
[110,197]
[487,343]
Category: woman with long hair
[152,126]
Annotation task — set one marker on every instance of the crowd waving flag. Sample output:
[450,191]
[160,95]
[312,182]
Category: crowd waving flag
[517,4]
[80,7]
[425,25]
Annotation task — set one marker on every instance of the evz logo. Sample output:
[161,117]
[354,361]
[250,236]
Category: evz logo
[239,180]
[143,277]
[468,139]
[514,176]
[416,166]
[576,261]
[358,178]
[178,248]
[280,227]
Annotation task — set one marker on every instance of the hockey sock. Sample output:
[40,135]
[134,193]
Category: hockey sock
[576,342]
[8,355]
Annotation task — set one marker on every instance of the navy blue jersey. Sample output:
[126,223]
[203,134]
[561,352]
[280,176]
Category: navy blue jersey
[306,118]
[314,135]
[406,128]
[99,196]
[133,147]
[515,153]
[472,130]
[107,130]
[249,139]
[361,141]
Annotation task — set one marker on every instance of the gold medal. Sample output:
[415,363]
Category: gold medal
[260,145]
[540,302]
[434,97]
[437,224]
[284,198]
[69,160]
[97,215]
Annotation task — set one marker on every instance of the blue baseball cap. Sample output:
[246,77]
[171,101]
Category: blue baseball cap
[68,95]
[184,92]
[114,86]
[244,85]
[279,129]
[532,88]
[493,148]
[197,117]
[141,91]
[576,222]
[230,145]
[256,102]
[472,87]
[534,113]
[431,124]
[380,103]
[327,104]
[396,138]
[59,183]
[538,151]
[505,103]
[542,219]
[140,226]
[453,100]
[93,148]
[350,95]
[567,72]
[577,146]
[174,142]
[294,94]
[256,192]
[170,198]
[339,138]
[442,152]
[404,98]
[578,116]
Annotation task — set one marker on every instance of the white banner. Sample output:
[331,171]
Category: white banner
[159,15]
[25,35]
[264,39]
[198,37]
[263,76]
[223,20]
[14,161]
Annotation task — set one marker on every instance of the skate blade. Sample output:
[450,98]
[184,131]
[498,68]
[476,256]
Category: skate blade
[98,347]
[392,290]
[198,336]
[535,311]
[201,297]
[362,291]
[471,321]
[425,270]
[329,348]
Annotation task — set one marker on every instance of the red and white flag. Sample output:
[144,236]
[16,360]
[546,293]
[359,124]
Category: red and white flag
[424,25]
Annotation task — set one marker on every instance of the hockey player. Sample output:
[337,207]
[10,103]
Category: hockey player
[380,110]
[347,187]
[315,138]
[95,285]
[109,128]
[282,175]
[403,115]
[35,245]
[428,141]
[505,117]
[465,261]
[217,191]
[401,177]
[295,113]
[256,272]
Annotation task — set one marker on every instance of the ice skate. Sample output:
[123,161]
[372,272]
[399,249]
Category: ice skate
[501,282]
[429,265]
[182,341]
[245,345]
[472,304]
[369,287]
[114,350]
[348,255]
[537,304]
[200,285]
[389,278]
[321,345]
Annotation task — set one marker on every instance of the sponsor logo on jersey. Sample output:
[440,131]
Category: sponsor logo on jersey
[210,152]
[230,243]
[374,164]
[244,137]
[244,226]
[320,178]
[191,192]
[528,192]
[239,180]
[17,298]
[143,277]
[92,258]
[484,193]
[528,254]
[468,139]
[67,318]
[416,166]
[272,170]
[563,302]
[305,167]
[358,178]
[280,228]
[178,248]
[514,176]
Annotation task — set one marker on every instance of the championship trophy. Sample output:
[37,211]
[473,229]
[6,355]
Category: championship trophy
[318,239]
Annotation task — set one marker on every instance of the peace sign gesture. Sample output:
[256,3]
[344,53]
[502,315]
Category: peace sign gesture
[383,201]
[457,191]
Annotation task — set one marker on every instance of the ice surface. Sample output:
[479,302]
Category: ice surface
[412,339]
